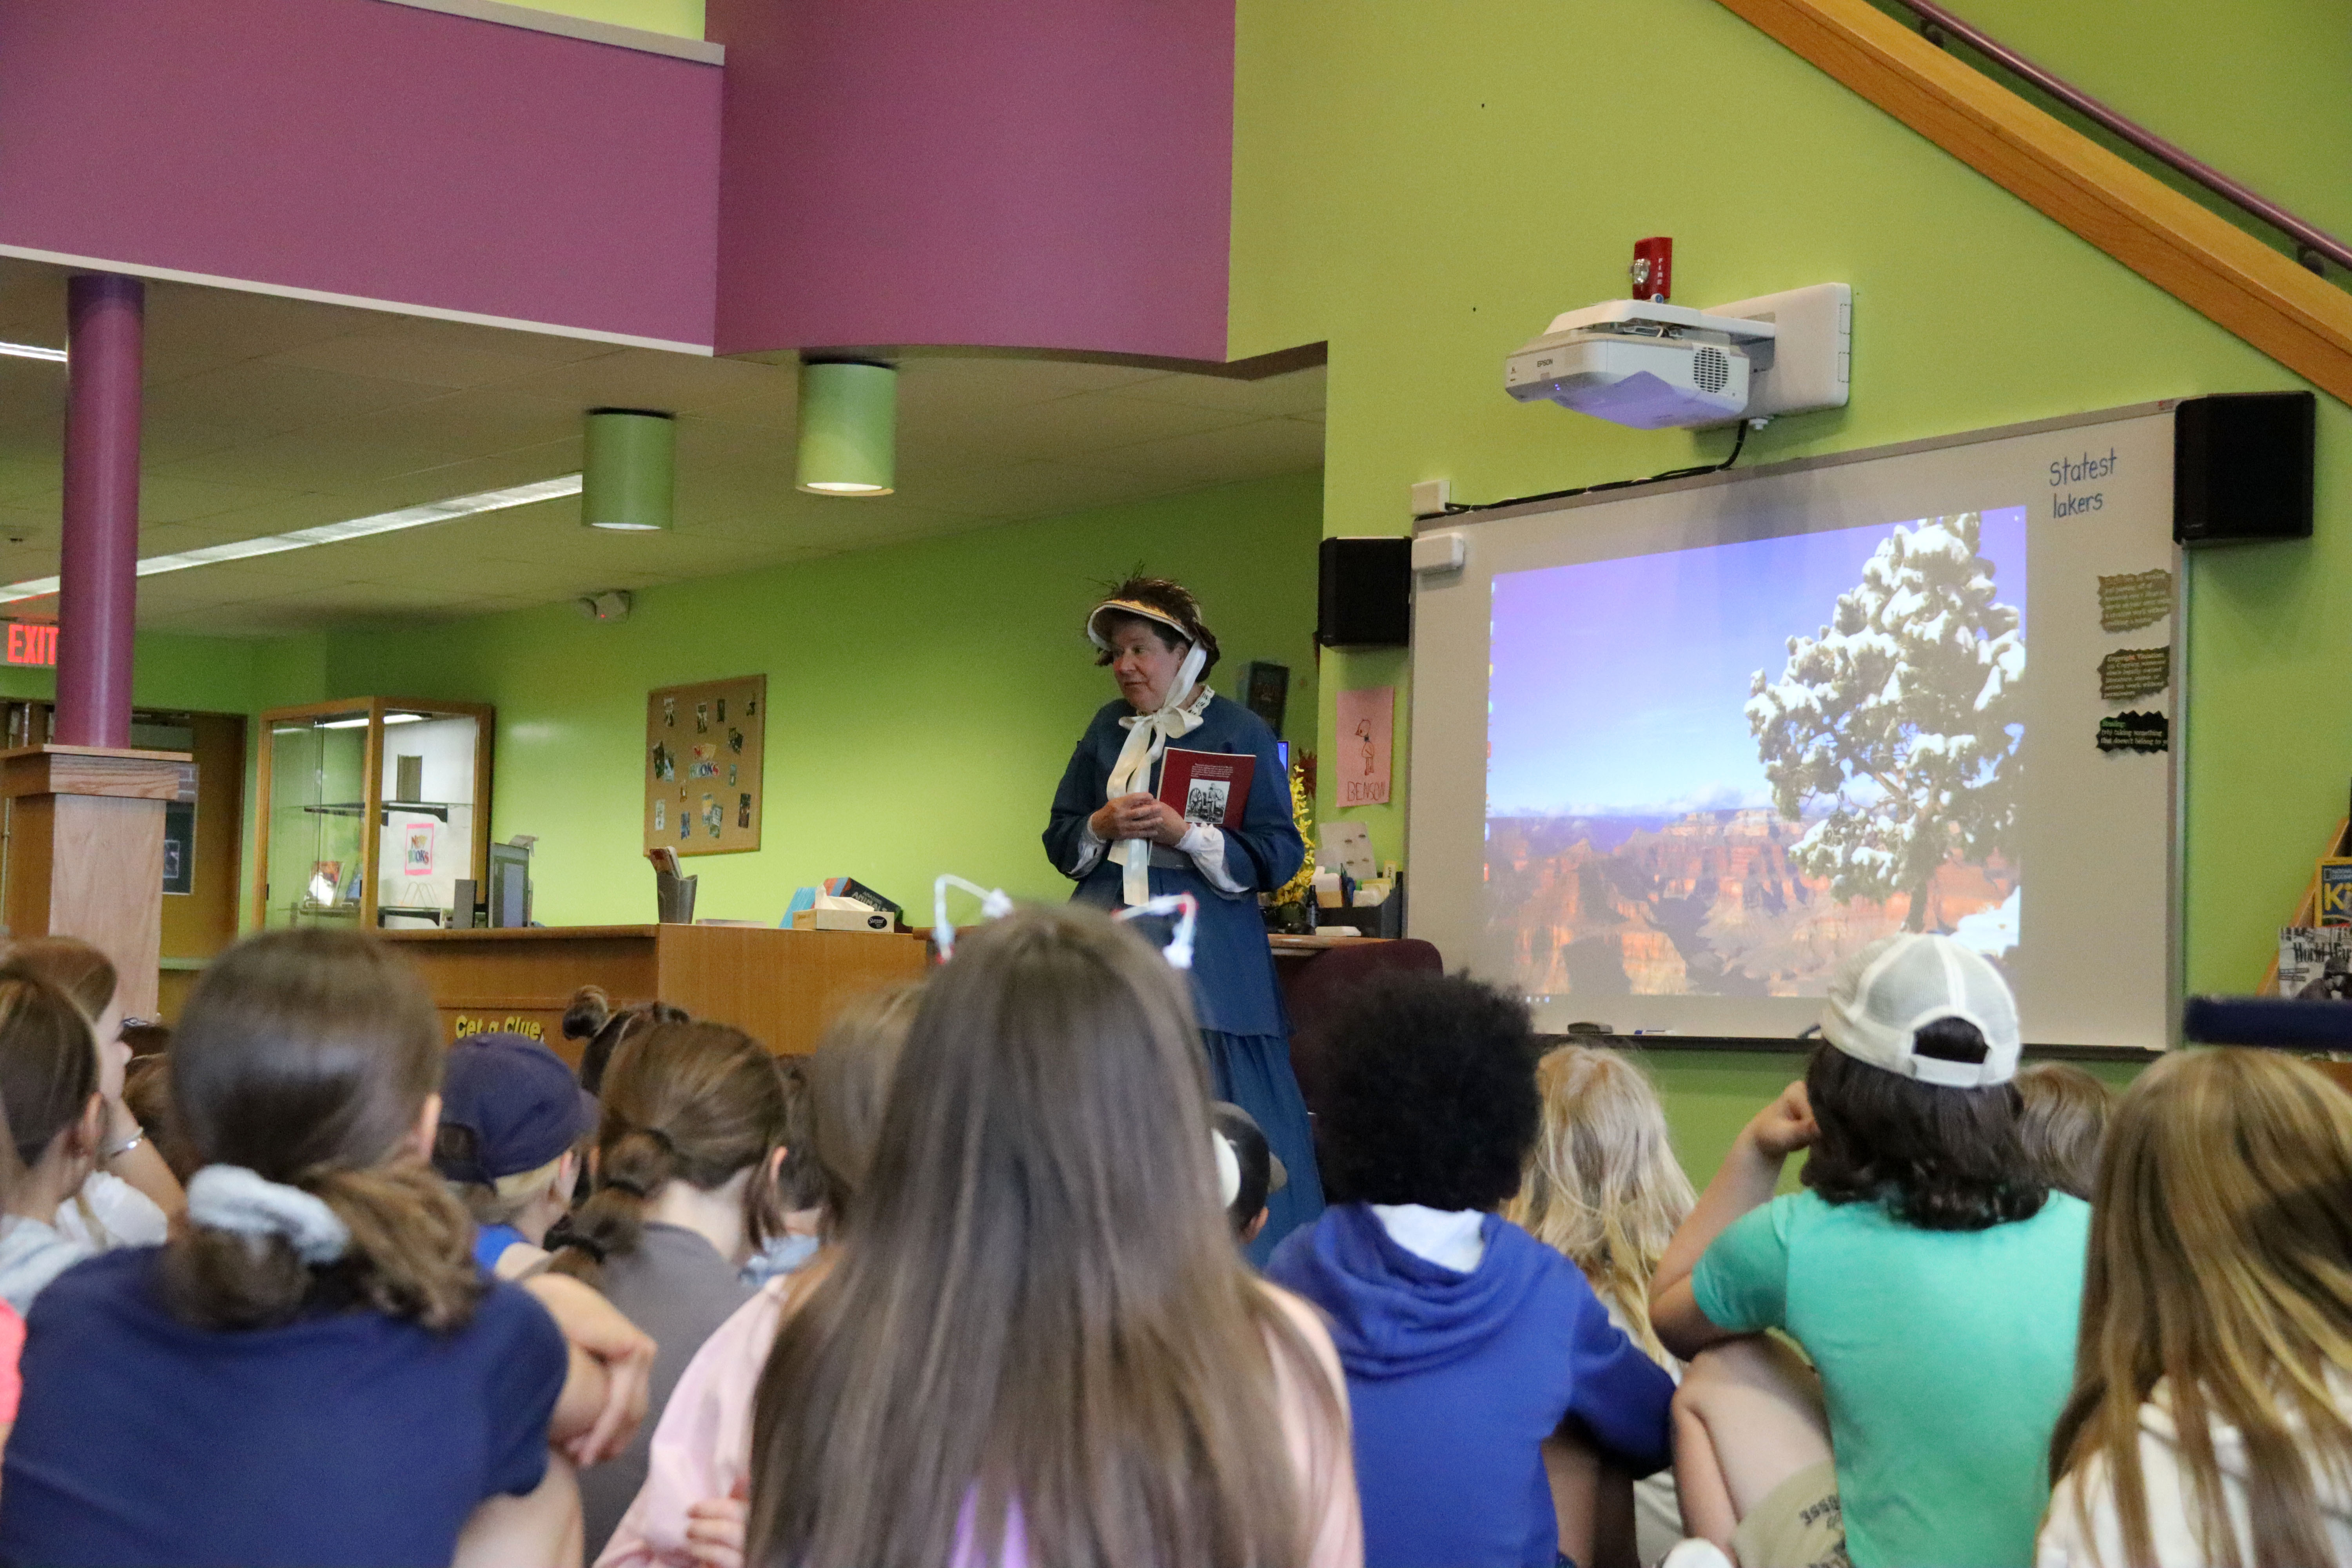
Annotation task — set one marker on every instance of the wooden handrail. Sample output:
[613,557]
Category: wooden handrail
[2208,263]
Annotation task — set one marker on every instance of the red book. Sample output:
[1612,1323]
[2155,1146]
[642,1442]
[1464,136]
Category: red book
[1208,787]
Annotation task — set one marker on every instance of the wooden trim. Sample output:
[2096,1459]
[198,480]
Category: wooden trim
[2208,263]
[265,763]
[371,811]
[486,730]
[91,770]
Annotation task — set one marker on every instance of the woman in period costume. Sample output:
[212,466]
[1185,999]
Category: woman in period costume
[1122,846]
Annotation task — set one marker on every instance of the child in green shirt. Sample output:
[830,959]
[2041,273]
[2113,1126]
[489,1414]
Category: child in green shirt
[1931,1276]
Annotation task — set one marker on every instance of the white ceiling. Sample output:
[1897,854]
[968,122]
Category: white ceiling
[265,415]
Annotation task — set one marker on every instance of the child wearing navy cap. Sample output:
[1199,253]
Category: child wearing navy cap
[512,1121]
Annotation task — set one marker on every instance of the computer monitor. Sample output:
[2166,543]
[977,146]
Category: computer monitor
[509,898]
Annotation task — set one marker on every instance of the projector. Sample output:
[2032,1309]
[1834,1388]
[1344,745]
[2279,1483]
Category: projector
[1651,366]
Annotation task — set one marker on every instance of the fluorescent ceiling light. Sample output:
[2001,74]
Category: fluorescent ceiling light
[328,532]
[404,717]
[358,724]
[33,351]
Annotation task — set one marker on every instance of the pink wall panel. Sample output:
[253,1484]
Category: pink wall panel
[367,149]
[1038,173]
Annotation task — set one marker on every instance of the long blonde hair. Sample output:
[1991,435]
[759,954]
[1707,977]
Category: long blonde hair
[2220,1264]
[1602,1185]
[1038,1305]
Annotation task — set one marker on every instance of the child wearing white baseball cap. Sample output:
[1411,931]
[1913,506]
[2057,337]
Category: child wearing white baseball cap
[1931,1274]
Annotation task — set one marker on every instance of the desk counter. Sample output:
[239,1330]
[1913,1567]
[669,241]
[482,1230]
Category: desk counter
[784,987]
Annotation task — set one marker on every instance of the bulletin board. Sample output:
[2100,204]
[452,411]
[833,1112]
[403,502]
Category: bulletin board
[701,760]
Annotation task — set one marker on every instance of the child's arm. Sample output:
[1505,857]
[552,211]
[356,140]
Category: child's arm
[1744,1181]
[604,1392]
[541,1526]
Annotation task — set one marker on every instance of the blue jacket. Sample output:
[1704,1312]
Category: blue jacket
[1454,1381]
[1235,990]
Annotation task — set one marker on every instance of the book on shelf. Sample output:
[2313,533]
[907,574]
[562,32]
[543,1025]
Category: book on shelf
[1207,787]
[2335,890]
[2316,962]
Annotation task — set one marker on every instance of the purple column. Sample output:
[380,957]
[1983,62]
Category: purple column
[97,599]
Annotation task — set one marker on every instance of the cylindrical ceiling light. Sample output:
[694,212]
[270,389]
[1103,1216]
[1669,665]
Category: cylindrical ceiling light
[849,428]
[630,469]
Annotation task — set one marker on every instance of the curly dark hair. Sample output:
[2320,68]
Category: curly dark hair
[1938,1158]
[1430,1095]
[1172,599]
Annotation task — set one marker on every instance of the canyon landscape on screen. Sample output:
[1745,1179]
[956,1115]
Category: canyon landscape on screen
[1720,771]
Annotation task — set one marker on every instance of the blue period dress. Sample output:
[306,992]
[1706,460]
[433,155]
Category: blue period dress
[1244,1024]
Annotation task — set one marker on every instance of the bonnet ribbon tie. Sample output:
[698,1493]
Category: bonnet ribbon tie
[1148,734]
[235,1199]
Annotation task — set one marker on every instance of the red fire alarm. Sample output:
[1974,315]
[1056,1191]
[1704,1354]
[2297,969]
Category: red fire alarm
[1654,270]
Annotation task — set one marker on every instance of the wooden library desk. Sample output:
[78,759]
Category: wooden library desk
[782,986]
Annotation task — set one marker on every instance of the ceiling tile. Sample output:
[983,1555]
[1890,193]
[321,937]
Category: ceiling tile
[1033,488]
[1255,450]
[267,415]
[650,378]
[958,387]
[1062,427]
[191,327]
[1299,392]
[265,397]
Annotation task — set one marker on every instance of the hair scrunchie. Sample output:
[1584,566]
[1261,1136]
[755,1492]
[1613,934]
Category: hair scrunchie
[233,1199]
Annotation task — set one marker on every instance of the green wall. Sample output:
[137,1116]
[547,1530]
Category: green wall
[1423,186]
[1425,195]
[923,698]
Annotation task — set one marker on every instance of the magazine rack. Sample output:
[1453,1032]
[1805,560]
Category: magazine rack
[2339,844]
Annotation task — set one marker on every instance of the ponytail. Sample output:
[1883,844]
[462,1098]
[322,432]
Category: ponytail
[693,1103]
[306,1059]
[632,1166]
[410,1257]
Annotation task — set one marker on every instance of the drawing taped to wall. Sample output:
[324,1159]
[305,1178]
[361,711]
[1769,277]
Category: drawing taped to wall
[730,727]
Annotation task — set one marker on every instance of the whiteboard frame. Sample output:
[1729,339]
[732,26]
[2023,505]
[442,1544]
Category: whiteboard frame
[1425,700]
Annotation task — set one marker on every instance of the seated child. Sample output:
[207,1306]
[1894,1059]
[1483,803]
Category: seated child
[1248,1170]
[312,1371]
[130,1194]
[1928,1272]
[2212,1415]
[1037,1342]
[2066,1119]
[686,1154]
[1466,1341]
[698,1462]
[56,1116]
[147,1093]
[1603,1186]
[511,1119]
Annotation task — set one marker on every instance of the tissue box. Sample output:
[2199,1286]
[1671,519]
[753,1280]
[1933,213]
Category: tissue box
[858,919]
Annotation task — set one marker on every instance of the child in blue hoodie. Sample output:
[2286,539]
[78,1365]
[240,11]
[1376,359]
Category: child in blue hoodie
[1466,1343]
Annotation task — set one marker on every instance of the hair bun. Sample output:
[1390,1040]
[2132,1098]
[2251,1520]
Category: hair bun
[586,1012]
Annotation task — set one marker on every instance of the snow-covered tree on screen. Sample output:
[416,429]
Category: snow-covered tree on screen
[1902,715]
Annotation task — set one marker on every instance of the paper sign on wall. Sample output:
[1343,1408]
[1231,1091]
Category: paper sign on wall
[1366,723]
[416,859]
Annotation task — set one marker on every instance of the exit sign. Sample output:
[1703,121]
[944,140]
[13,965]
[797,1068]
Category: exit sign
[33,642]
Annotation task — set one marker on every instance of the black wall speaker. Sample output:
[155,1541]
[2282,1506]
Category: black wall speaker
[2241,466]
[1365,593]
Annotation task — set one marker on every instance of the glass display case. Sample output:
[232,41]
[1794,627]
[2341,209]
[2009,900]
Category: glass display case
[376,812]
